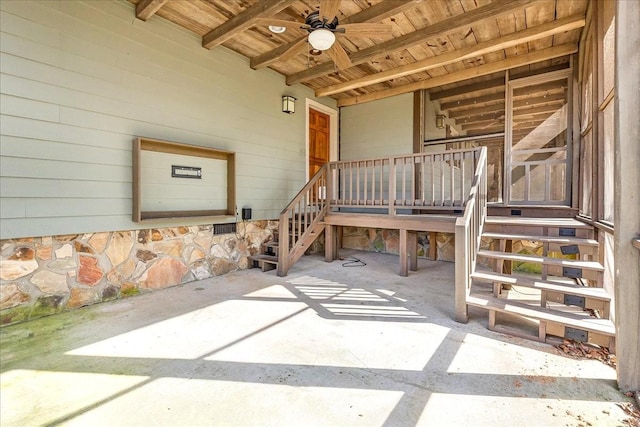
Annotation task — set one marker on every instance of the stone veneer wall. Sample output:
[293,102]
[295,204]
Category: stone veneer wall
[45,275]
[387,241]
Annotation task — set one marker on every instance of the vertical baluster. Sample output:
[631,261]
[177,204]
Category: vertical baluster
[433,181]
[300,209]
[441,183]
[403,178]
[462,178]
[413,180]
[422,175]
[373,183]
[343,182]
[382,162]
[392,186]
[366,182]
[452,174]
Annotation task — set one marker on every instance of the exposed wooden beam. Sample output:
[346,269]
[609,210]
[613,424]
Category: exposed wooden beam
[145,9]
[469,73]
[377,12]
[479,117]
[439,29]
[243,21]
[468,89]
[528,103]
[534,33]
[485,124]
[493,98]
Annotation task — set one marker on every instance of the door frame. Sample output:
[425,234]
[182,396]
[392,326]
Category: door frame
[333,131]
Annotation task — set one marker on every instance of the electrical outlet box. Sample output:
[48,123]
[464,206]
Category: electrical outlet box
[246,213]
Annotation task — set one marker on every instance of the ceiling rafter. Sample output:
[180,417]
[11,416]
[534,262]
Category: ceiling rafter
[494,84]
[439,29]
[243,21]
[377,12]
[493,67]
[145,9]
[510,40]
[473,103]
[525,103]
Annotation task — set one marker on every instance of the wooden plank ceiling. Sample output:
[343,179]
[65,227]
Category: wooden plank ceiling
[457,49]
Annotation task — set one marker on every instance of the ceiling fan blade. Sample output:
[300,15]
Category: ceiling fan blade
[366,30]
[329,9]
[289,25]
[339,56]
[293,50]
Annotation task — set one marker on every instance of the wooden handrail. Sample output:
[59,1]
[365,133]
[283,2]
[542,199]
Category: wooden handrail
[299,219]
[468,235]
[636,243]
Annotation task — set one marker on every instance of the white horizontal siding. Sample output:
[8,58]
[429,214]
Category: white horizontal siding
[80,79]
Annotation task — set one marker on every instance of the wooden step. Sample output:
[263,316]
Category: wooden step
[529,282]
[589,270]
[554,243]
[538,222]
[560,240]
[552,322]
[265,262]
[270,247]
[570,294]
[538,226]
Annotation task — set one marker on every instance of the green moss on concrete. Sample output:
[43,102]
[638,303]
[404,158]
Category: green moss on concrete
[129,292]
[13,315]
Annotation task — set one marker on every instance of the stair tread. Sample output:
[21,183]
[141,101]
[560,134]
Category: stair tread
[547,239]
[540,222]
[589,265]
[271,244]
[602,326]
[529,282]
[263,257]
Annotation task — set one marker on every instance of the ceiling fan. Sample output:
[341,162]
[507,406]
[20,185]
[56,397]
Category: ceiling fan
[324,32]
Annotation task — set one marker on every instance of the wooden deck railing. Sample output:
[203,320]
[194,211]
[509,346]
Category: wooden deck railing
[425,181]
[439,180]
[468,236]
[300,218]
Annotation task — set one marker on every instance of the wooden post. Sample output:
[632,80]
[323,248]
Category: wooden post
[627,194]
[329,243]
[461,272]
[283,245]
[403,253]
[433,246]
[413,251]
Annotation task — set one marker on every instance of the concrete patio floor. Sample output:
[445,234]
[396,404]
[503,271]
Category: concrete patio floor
[328,345]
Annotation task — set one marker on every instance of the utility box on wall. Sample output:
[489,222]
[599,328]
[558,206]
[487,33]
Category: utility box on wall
[246,213]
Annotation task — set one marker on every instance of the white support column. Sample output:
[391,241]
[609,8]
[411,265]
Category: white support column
[627,194]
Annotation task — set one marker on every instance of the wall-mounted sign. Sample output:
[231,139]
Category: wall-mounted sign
[186,172]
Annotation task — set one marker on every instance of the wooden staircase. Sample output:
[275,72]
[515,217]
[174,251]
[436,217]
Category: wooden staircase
[268,258]
[564,298]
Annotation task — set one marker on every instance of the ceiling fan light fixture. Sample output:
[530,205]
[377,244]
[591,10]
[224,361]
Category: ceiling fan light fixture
[277,29]
[321,39]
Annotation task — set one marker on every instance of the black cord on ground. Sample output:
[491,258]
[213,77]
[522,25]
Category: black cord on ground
[353,262]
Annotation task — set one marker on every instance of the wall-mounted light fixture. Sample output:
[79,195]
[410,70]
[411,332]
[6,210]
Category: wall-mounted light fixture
[440,121]
[288,104]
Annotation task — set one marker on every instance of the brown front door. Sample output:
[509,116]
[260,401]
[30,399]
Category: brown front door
[318,140]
